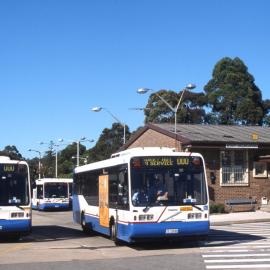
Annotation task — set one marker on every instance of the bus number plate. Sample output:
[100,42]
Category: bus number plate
[171,231]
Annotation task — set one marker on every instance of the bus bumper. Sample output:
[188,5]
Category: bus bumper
[142,231]
[47,206]
[15,225]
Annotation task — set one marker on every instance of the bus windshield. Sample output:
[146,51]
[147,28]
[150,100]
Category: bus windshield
[56,190]
[14,189]
[168,181]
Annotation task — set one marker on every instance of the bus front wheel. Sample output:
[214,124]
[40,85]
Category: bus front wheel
[113,233]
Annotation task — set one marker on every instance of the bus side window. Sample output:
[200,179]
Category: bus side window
[123,190]
[112,188]
[40,192]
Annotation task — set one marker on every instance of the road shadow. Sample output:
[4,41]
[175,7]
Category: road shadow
[214,239]
[219,238]
[160,244]
[47,233]
[52,233]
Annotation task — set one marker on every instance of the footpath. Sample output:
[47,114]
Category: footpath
[239,217]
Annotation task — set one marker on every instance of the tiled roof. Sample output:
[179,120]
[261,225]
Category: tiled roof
[219,133]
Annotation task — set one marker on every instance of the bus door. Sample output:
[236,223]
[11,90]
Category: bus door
[104,200]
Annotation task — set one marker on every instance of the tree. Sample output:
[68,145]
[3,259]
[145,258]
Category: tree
[233,95]
[191,109]
[67,159]
[108,143]
[12,152]
[33,167]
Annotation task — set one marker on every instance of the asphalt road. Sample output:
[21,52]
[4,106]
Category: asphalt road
[57,243]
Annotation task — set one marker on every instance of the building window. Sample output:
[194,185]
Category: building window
[234,168]
[260,169]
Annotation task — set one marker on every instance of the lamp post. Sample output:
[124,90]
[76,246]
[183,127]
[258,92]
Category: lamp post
[190,86]
[39,163]
[53,145]
[82,139]
[98,109]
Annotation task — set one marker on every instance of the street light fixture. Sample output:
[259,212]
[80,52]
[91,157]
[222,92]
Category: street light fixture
[39,161]
[98,109]
[190,86]
[82,139]
[85,159]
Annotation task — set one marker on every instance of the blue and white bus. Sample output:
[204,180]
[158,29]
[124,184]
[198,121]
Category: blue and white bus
[15,198]
[52,193]
[122,197]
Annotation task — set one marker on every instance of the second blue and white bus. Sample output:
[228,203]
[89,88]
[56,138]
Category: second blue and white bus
[106,195]
[52,194]
[15,198]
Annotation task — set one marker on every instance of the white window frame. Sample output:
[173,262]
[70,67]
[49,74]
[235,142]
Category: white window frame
[261,175]
[233,169]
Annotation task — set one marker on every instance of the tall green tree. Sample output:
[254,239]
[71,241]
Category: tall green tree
[108,143]
[191,109]
[12,152]
[233,95]
[67,159]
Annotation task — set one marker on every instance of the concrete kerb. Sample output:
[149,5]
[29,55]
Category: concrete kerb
[239,217]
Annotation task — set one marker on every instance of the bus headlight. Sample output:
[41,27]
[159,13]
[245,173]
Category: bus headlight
[17,215]
[146,217]
[194,215]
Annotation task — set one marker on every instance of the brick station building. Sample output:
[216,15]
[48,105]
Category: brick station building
[237,157]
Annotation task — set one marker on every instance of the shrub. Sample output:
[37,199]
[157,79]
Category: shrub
[217,208]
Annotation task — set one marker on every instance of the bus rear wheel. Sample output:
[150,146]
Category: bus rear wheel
[85,228]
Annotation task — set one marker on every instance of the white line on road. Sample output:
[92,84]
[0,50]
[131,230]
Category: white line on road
[235,255]
[238,246]
[237,260]
[239,266]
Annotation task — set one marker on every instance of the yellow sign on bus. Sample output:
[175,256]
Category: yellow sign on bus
[104,200]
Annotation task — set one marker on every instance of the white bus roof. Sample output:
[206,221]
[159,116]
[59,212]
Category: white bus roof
[125,156]
[7,160]
[54,180]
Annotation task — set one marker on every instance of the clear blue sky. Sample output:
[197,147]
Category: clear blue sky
[59,58]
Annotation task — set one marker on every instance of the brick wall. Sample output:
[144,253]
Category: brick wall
[153,138]
[257,188]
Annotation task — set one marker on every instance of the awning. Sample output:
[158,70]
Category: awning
[264,158]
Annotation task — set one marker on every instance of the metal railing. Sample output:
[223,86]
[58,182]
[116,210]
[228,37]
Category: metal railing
[234,176]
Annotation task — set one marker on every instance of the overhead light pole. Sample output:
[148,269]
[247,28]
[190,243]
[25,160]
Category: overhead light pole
[39,161]
[190,86]
[82,139]
[98,109]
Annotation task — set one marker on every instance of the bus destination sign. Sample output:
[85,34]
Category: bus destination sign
[165,161]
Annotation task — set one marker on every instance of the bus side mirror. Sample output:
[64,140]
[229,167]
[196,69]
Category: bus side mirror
[34,185]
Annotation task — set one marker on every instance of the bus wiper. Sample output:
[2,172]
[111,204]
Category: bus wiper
[18,206]
[197,207]
[147,207]
[191,201]
[194,205]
